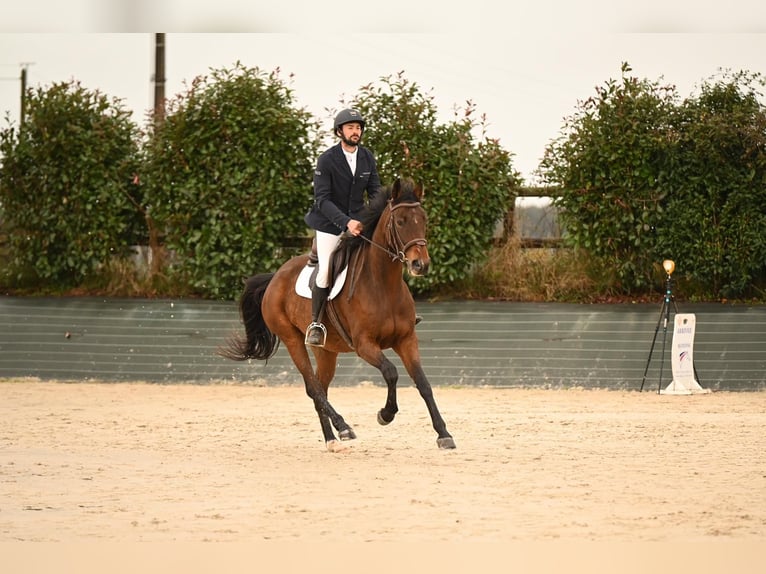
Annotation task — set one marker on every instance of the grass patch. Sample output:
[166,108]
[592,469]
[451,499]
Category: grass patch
[512,272]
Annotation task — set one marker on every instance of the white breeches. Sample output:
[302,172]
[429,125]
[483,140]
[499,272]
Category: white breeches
[326,244]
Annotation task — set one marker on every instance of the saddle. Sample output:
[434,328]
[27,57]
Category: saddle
[340,262]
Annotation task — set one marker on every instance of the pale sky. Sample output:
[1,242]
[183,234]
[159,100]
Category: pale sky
[525,78]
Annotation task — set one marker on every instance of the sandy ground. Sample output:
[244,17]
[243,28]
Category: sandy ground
[185,463]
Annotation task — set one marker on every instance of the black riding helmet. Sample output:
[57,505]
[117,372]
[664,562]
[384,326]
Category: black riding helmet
[346,117]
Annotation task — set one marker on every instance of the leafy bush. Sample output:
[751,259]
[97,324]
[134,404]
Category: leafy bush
[715,213]
[469,185]
[608,165]
[645,178]
[228,176]
[66,186]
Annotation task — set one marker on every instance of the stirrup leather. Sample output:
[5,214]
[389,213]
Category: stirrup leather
[309,331]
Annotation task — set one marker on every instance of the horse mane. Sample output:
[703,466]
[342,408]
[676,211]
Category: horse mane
[373,211]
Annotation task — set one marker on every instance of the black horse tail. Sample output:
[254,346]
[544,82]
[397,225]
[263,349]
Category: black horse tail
[259,342]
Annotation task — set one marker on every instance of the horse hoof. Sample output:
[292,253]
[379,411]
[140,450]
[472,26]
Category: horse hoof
[445,442]
[382,420]
[347,434]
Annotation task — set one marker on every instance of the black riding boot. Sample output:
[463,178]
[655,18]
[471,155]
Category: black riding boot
[316,332]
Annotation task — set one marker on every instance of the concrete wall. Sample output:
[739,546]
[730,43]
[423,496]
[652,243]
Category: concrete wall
[462,343]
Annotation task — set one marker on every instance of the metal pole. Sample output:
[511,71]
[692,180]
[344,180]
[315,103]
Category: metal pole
[663,319]
[23,95]
[654,339]
[159,79]
[666,303]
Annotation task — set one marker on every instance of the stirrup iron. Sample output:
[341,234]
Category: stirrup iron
[309,331]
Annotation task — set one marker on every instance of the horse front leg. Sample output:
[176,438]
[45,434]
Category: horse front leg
[373,354]
[388,412]
[444,439]
[411,359]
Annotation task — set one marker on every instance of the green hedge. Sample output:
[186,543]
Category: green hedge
[66,186]
[228,178]
[221,185]
[645,176]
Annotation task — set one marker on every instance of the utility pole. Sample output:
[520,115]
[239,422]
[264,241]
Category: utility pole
[24,67]
[159,79]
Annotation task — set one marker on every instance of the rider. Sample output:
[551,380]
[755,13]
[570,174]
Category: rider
[343,174]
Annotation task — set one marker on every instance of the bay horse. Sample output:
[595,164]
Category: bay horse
[374,311]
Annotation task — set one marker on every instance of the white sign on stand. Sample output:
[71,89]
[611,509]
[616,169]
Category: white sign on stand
[682,359]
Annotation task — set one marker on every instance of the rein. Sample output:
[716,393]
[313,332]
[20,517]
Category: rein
[394,240]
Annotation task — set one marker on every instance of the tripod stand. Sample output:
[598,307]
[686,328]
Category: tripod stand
[663,320]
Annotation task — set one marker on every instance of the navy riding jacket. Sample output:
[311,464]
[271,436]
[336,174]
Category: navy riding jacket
[339,195]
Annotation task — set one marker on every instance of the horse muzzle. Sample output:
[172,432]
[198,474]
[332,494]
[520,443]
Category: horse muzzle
[418,267]
[415,255]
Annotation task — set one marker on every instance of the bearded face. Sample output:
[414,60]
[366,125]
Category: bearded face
[351,133]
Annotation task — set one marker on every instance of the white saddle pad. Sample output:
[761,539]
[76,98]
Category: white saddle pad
[302,283]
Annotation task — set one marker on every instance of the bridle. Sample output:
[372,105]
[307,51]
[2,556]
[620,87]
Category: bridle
[393,239]
[398,254]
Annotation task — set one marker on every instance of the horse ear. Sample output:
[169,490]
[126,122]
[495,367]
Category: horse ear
[420,192]
[396,189]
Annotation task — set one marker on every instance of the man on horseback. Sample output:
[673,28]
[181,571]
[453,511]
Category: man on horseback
[344,174]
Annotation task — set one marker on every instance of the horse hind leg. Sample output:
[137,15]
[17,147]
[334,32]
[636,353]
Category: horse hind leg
[328,416]
[316,385]
[317,389]
[331,443]
[330,420]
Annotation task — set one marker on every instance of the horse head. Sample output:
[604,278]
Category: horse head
[406,226]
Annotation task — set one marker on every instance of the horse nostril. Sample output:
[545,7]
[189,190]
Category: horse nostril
[420,267]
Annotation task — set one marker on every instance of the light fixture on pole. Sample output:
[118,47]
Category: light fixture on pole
[669,266]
